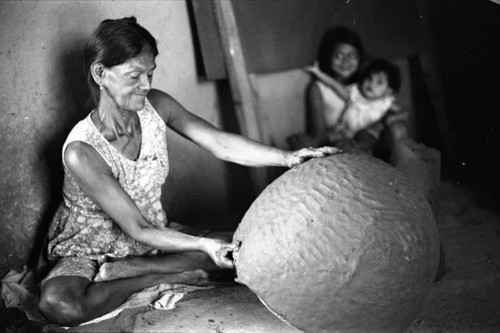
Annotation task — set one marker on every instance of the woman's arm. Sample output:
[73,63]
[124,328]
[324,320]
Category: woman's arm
[227,146]
[339,88]
[315,110]
[95,178]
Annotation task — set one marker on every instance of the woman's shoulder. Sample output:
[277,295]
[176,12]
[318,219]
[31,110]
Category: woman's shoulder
[164,104]
[80,131]
[80,155]
[159,99]
[84,142]
[155,96]
[316,87]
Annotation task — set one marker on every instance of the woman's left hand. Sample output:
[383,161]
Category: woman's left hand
[218,250]
[300,156]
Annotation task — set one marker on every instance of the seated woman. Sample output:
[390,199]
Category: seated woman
[111,237]
[340,57]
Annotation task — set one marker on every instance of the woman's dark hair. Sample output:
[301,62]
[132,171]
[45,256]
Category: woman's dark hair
[113,43]
[382,66]
[329,42]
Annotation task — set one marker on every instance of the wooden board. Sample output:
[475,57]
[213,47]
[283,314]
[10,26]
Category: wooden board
[242,93]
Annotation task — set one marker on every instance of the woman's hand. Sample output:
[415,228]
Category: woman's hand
[218,250]
[300,156]
[314,69]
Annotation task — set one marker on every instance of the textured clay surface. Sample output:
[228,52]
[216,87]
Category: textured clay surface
[340,244]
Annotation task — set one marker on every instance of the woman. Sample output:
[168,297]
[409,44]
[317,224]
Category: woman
[340,56]
[115,162]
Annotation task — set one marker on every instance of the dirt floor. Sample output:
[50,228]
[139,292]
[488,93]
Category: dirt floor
[466,297]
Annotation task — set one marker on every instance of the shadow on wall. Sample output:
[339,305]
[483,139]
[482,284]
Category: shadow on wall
[73,104]
[239,181]
[427,127]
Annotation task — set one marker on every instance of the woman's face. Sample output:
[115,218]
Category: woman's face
[345,61]
[128,84]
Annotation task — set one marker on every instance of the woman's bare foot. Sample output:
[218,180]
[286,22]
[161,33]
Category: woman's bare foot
[197,277]
[118,270]
[161,264]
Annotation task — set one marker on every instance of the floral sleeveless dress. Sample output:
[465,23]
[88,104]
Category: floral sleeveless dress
[82,229]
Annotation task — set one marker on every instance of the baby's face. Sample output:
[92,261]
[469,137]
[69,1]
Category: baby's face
[376,86]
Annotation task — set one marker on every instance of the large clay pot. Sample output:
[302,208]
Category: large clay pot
[344,243]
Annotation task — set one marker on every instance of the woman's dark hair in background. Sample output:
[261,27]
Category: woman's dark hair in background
[384,66]
[113,43]
[329,42]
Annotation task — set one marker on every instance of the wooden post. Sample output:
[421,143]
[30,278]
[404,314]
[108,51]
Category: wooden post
[239,80]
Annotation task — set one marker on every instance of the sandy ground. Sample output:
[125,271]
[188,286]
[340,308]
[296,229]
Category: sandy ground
[466,298]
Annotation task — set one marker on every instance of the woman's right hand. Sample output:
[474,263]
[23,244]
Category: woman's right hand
[300,156]
[218,250]
[314,69]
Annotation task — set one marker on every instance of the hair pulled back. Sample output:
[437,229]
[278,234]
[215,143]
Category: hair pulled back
[330,41]
[113,43]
